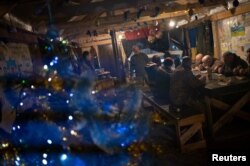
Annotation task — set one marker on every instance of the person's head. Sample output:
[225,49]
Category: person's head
[198,58]
[159,34]
[86,56]
[248,55]
[186,63]
[168,62]
[228,57]
[136,49]
[177,62]
[207,61]
[151,38]
[157,60]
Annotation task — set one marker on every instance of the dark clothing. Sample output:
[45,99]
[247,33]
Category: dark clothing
[184,86]
[228,68]
[137,64]
[159,82]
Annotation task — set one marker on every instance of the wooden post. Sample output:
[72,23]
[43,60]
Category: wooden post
[216,40]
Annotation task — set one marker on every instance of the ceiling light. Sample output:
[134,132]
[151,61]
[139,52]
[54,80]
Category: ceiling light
[172,23]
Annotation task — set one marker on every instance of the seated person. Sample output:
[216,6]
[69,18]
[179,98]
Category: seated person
[177,62]
[167,65]
[198,62]
[210,62]
[159,80]
[247,71]
[185,88]
[157,60]
[232,64]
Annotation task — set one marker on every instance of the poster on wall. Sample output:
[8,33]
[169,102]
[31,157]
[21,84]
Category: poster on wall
[237,30]
[234,34]
[15,59]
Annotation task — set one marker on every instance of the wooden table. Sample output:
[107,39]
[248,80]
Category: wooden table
[216,99]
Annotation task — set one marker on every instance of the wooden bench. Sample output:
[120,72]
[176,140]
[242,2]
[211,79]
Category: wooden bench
[188,123]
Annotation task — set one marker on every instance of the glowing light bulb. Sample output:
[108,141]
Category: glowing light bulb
[45,155]
[63,157]
[49,79]
[45,67]
[44,162]
[172,23]
[49,141]
[67,101]
[70,117]
[120,37]
[21,104]
[71,94]
[49,94]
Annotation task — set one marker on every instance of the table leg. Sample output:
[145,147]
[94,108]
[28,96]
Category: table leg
[209,117]
[227,116]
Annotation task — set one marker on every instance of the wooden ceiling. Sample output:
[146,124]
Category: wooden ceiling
[75,17]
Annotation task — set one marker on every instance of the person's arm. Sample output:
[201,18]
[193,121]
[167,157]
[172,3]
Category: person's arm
[146,58]
[244,64]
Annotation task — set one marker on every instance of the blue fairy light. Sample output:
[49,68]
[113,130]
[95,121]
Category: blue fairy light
[17,163]
[44,161]
[21,104]
[49,48]
[51,63]
[63,157]
[49,141]
[45,155]
[45,67]
[70,117]
[71,94]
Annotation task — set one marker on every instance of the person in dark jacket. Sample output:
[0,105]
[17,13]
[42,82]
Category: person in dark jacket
[157,60]
[137,65]
[232,64]
[159,80]
[185,88]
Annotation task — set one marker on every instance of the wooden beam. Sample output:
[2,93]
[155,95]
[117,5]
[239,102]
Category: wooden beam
[236,108]
[216,40]
[171,12]
[106,6]
[243,8]
[124,26]
[83,45]
[6,9]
